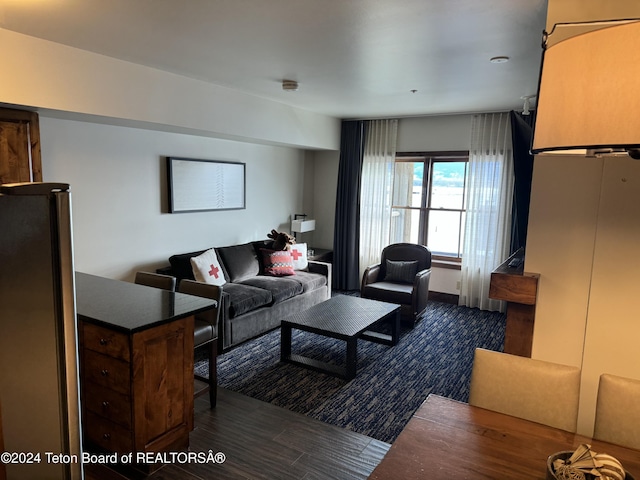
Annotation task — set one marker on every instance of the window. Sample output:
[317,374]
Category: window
[429,200]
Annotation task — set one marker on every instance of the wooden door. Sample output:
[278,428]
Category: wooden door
[19,147]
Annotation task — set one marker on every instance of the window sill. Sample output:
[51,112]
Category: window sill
[450,264]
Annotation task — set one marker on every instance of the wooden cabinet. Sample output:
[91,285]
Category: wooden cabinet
[136,365]
[19,147]
[137,388]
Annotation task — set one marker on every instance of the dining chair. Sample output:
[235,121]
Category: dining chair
[157,280]
[617,412]
[205,331]
[535,390]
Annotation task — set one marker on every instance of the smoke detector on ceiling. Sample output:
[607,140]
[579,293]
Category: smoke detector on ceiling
[289,85]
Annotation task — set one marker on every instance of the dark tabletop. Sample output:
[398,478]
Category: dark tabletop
[130,307]
[342,314]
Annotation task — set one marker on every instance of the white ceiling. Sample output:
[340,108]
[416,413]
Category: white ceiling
[352,58]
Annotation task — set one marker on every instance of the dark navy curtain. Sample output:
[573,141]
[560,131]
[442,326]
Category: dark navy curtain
[522,134]
[346,237]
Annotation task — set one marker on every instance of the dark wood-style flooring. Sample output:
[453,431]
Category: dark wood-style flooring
[263,441]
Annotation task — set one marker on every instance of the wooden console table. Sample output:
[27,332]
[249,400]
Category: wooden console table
[136,365]
[520,290]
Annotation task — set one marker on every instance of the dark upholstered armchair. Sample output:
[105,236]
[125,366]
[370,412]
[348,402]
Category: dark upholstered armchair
[401,277]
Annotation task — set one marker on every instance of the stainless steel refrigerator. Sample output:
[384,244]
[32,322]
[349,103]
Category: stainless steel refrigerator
[39,392]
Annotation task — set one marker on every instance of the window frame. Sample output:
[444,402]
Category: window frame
[429,159]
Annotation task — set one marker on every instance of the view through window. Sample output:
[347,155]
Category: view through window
[429,200]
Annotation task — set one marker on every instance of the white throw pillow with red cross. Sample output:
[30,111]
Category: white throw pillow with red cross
[299,254]
[206,268]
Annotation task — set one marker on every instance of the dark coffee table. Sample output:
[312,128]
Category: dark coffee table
[345,318]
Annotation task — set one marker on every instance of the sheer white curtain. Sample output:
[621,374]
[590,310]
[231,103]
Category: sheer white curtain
[376,189]
[488,219]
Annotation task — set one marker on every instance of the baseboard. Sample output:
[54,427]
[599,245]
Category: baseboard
[444,297]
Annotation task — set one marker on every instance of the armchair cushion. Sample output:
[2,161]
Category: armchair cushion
[391,292]
[401,272]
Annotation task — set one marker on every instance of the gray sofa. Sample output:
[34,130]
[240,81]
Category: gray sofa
[254,303]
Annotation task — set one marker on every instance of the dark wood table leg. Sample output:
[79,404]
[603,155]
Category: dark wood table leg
[352,358]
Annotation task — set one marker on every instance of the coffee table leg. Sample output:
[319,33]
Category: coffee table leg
[395,328]
[285,342]
[352,358]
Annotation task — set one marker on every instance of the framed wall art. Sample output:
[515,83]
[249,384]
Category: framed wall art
[201,185]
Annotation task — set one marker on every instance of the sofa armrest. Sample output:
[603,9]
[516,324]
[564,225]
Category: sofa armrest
[322,268]
[421,290]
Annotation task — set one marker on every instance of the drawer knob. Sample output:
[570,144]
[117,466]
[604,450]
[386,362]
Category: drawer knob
[106,436]
[104,341]
[105,404]
[104,372]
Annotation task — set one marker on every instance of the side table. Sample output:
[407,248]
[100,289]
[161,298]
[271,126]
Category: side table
[320,255]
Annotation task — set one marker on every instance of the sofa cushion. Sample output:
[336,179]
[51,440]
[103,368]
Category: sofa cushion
[207,269]
[278,263]
[299,254]
[245,298]
[310,281]
[281,288]
[240,261]
[181,265]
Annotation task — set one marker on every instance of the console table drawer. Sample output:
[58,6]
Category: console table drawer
[106,371]
[108,435]
[108,342]
[111,405]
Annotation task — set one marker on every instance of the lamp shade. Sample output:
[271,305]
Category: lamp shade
[301,226]
[589,92]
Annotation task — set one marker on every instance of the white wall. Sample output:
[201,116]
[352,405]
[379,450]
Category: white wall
[72,83]
[118,183]
[583,231]
[434,133]
[325,185]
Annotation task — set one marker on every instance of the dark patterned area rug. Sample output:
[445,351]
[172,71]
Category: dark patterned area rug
[392,382]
